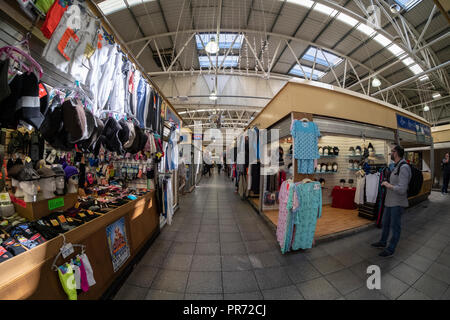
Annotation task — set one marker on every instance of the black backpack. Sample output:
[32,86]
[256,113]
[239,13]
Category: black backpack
[416,181]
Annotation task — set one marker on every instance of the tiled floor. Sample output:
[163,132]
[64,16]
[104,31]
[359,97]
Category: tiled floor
[219,248]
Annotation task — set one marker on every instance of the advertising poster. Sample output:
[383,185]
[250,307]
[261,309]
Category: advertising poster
[171,117]
[118,243]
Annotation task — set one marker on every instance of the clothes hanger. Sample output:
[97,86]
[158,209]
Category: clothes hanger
[306,180]
[7,52]
[82,246]
[304,120]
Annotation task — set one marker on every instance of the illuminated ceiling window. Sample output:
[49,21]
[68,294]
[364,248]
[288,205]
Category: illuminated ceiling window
[317,74]
[225,40]
[407,4]
[111,6]
[321,58]
[305,3]
[230,61]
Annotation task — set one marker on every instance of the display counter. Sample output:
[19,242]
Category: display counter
[30,274]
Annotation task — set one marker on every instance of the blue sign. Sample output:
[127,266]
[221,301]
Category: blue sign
[410,124]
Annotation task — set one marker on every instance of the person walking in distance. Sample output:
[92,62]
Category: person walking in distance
[445,173]
[395,203]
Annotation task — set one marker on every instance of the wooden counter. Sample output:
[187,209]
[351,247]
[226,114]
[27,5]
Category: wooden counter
[29,275]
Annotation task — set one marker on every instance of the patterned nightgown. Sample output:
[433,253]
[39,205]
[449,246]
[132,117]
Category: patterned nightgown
[283,197]
[305,216]
[306,138]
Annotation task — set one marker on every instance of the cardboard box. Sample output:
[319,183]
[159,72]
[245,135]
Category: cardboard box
[39,209]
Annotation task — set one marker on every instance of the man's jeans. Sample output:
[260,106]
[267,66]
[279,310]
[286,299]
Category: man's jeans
[392,219]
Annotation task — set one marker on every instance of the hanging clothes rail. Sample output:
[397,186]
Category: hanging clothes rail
[107,25]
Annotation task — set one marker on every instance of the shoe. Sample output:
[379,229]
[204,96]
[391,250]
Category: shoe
[386,254]
[379,245]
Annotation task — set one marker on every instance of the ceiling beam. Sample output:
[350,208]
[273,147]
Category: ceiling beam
[249,13]
[399,84]
[293,35]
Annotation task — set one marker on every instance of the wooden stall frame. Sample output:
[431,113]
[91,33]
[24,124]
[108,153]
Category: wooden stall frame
[29,275]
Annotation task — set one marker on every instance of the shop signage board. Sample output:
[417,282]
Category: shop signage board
[118,243]
[55,203]
[412,125]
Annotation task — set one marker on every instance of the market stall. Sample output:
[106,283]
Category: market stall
[86,150]
[356,136]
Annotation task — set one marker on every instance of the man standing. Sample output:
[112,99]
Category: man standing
[395,203]
[445,173]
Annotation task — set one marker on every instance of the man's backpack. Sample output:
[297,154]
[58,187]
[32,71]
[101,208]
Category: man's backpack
[416,181]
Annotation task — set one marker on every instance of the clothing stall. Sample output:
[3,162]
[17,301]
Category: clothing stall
[89,151]
[352,151]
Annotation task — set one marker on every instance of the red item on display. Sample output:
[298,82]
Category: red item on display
[343,198]
[53,17]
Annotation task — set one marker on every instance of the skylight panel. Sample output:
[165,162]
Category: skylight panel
[321,58]
[298,72]
[325,9]
[230,61]
[225,40]
[396,50]
[304,3]
[407,4]
[408,61]
[366,29]
[136,2]
[111,6]
[347,19]
[416,69]
[382,40]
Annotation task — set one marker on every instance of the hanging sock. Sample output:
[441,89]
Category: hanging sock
[77,273]
[88,268]
[84,282]
[67,279]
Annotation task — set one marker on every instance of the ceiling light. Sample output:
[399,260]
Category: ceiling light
[436,95]
[395,8]
[212,47]
[376,82]
[213,96]
[424,78]
[426,108]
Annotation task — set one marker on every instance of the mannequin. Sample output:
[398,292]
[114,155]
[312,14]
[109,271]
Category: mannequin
[30,189]
[19,192]
[48,188]
[71,174]
[60,183]
[72,184]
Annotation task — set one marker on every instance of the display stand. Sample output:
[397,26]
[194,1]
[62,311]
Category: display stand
[30,276]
